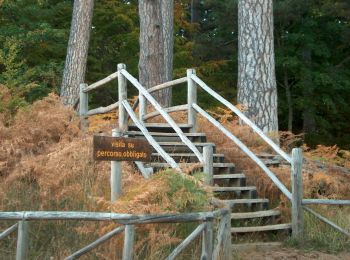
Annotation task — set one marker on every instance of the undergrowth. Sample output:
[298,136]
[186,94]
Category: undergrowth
[46,164]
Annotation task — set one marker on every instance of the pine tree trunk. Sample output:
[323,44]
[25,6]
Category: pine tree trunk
[194,11]
[156,46]
[77,51]
[289,102]
[257,90]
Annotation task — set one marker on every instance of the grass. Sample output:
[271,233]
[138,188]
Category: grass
[322,237]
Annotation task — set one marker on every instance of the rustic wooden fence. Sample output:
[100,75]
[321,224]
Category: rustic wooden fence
[213,247]
[193,82]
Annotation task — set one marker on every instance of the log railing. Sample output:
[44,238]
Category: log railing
[211,247]
[295,160]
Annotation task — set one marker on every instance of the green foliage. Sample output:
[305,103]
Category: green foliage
[186,193]
[311,45]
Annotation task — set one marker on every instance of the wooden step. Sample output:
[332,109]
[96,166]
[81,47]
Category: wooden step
[228,189]
[161,127]
[170,137]
[229,176]
[232,180]
[246,204]
[257,214]
[286,226]
[219,168]
[244,201]
[256,246]
[180,147]
[187,157]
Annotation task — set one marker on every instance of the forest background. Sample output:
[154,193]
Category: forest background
[311,47]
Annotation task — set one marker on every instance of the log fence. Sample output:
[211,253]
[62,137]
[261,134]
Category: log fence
[211,247]
[298,203]
[129,223]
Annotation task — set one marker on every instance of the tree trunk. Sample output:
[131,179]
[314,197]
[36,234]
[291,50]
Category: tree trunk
[77,51]
[309,123]
[156,46]
[257,90]
[194,11]
[289,102]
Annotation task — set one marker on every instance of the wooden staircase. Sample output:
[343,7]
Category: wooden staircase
[253,223]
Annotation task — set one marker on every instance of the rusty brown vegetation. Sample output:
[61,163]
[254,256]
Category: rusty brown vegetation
[46,164]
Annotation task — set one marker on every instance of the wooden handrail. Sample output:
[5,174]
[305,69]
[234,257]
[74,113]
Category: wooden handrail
[186,242]
[124,219]
[327,221]
[325,202]
[246,150]
[101,82]
[149,137]
[164,114]
[167,84]
[243,117]
[96,243]
[8,231]
[167,109]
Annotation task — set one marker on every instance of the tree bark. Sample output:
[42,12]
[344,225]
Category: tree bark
[194,11]
[289,101]
[77,51]
[257,90]
[309,122]
[156,46]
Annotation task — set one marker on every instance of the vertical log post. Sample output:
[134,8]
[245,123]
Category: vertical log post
[83,105]
[207,241]
[122,95]
[297,195]
[191,99]
[142,106]
[22,240]
[116,174]
[227,242]
[128,249]
[208,164]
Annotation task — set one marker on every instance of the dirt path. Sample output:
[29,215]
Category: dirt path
[289,254]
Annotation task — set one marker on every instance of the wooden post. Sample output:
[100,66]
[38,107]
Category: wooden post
[297,195]
[191,99]
[128,249]
[227,243]
[22,240]
[116,174]
[207,241]
[83,105]
[208,164]
[122,95]
[142,106]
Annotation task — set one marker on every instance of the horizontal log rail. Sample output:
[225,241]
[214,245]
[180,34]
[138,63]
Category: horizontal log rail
[124,219]
[325,202]
[168,110]
[246,150]
[127,220]
[245,119]
[167,84]
[101,82]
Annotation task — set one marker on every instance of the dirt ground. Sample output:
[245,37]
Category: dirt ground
[289,254]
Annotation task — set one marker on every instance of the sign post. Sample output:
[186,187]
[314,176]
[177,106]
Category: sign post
[116,174]
[117,149]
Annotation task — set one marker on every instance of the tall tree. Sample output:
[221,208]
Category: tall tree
[78,45]
[156,46]
[257,90]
